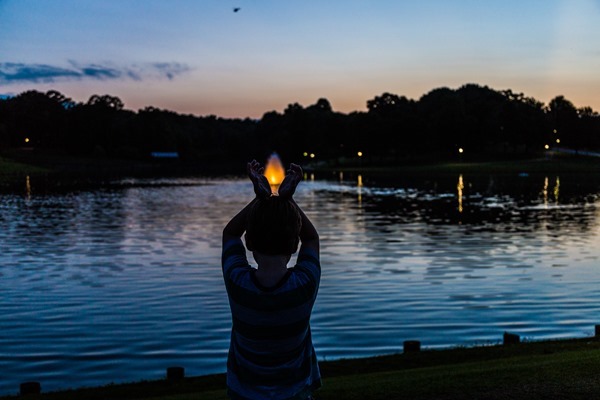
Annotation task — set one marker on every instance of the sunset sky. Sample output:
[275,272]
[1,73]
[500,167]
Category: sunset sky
[201,57]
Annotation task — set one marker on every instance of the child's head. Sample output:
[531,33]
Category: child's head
[273,226]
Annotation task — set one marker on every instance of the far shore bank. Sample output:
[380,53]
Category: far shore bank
[51,173]
[567,368]
[556,164]
[15,165]
[55,173]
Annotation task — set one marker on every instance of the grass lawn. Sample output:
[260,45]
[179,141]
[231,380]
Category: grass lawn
[12,168]
[9,167]
[566,369]
[572,375]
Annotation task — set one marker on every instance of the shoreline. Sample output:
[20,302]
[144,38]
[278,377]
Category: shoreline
[18,176]
[559,164]
[18,165]
[515,371]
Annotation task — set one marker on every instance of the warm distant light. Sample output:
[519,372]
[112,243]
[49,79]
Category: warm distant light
[312,155]
[28,186]
[554,131]
[305,154]
[26,140]
[359,185]
[557,141]
[359,153]
[460,150]
[459,188]
[274,172]
[547,146]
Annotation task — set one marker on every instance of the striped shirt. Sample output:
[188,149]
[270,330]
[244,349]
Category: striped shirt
[271,355]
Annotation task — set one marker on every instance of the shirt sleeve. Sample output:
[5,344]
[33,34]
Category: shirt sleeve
[308,262]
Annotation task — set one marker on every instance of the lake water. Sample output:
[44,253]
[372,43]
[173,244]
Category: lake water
[119,282]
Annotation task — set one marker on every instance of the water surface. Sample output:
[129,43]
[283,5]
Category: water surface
[118,282]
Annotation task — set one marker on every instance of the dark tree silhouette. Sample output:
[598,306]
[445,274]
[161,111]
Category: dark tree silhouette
[106,101]
[484,122]
[564,121]
[35,117]
[395,118]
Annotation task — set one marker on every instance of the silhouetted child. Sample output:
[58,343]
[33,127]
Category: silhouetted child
[271,355]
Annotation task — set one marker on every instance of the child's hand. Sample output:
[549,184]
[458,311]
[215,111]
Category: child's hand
[260,182]
[292,178]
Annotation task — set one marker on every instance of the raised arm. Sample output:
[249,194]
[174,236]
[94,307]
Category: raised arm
[308,234]
[236,227]
[238,224]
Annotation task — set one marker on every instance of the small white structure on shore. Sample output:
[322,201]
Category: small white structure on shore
[165,154]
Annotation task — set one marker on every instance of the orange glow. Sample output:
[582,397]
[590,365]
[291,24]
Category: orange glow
[274,173]
[459,188]
[26,140]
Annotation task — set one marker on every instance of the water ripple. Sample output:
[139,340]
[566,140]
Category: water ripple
[117,283]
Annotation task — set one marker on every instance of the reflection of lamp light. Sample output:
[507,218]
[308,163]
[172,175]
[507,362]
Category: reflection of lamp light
[28,187]
[359,186]
[274,172]
[545,191]
[459,187]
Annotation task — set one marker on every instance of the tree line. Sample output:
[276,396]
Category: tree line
[472,121]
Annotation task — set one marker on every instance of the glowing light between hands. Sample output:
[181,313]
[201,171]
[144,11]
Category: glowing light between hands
[274,172]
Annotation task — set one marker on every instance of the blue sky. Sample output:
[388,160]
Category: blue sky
[200,57]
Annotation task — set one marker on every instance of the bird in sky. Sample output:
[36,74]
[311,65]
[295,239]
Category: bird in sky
[236,9]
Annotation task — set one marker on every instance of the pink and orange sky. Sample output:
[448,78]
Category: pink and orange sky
[201,57]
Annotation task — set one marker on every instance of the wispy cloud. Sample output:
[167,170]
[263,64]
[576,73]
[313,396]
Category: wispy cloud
[11,72]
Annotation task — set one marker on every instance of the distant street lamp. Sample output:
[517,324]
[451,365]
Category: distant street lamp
[461,150]
[26,140]
[557,141]
[312,155]
[547,147]
[305,154]
[359,153]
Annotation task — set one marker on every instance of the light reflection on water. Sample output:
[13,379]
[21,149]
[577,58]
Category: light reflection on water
[118,283]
